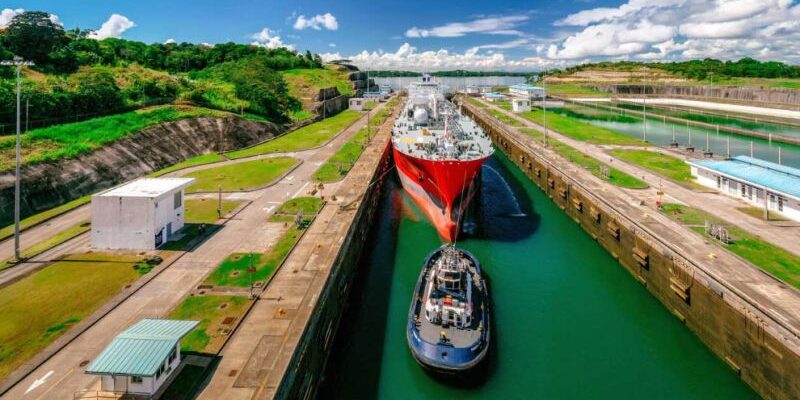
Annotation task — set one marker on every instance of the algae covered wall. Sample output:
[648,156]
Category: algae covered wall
[763,356]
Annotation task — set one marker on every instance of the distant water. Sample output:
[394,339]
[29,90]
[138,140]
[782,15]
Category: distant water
[452,83]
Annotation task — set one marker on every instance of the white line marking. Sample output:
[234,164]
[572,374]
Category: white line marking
[39,382]
[269,209]
[301,189]
[290,177]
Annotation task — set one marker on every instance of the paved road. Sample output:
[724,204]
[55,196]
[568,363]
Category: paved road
[248,232]
[783,234]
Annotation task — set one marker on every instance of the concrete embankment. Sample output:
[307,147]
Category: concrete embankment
[280,350]
[50,184]
[748,318]
[722,128]
[771,97]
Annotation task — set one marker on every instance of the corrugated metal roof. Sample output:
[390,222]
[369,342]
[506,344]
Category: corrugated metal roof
[776,177]
[142,348]
[525,86]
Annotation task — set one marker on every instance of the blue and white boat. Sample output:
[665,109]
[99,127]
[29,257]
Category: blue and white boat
[448,323]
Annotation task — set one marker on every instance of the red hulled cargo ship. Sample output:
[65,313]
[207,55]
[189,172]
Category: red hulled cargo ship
[438,153]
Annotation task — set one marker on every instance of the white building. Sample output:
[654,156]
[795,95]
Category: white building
[758,182]
[519,105]
[143,358]
[472,90]
[356,104]
[493,96]
[526,91]
[143,214]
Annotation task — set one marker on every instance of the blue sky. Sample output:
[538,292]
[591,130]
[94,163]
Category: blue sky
[482,34]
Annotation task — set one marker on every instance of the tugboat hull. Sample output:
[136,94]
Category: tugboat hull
[451,357]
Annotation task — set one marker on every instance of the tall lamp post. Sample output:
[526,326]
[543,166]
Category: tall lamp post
[18,62]
[644,103]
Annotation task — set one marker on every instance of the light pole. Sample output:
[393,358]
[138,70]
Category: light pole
[644,103]
[18,62]
[544,105]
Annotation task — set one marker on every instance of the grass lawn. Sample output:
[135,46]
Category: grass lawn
[773,259]
[758,212]
[204,211]
[300,78]
[233,271]
[593,165]
[475,102]
[574,90]
[211,311]
[578,130]
[242,176]
[307,137]
[502,117]
[68,140]
[305,205]
[202,159]
[41,307]
[661,164]
[301,115]
[51,242]
[35,219]
[343,160]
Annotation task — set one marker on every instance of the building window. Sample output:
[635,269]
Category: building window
[178,200]
[743,190]
[136,379]
[780,203]
[172,355]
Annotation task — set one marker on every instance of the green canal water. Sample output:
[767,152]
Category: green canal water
[661,132]
[568,321]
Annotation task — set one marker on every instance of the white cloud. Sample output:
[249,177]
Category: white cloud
[114,27]
[317,22]
[267,38]
[408,58]
[491,25]
[170,41]
[7,15]
[682,29]
[331,44]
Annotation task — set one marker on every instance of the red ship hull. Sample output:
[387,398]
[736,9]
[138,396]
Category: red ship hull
[443,189]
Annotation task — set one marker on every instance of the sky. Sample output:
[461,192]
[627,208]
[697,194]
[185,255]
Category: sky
[512,35]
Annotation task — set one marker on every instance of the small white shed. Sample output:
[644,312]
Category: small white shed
[139,215]
[356,104]
[520,105]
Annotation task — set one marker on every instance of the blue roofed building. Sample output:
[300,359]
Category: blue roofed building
[526,91]
[141,359]
[762,183]
[493,96]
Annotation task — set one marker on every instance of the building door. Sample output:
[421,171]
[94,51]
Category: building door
[780,203]
[169,230]
[719,181]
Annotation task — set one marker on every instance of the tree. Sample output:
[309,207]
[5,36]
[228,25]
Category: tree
[32,35]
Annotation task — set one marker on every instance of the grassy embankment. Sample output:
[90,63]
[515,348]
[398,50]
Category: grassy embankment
[69,140]
[220,313]
[662,164]
[41,307]
[578,130]
[240,176]
[215,313]
[574,90]
[591,164]
[202,159]
[340,163]
[475,102]
[773,259]
[304,85]
[307,137]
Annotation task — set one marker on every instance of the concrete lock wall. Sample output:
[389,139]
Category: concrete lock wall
[713,313]
[305,371]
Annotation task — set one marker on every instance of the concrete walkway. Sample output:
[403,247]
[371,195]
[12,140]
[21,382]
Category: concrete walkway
[785,234]
[63,375]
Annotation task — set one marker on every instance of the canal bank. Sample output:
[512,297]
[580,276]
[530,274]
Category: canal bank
[745,316]
[568,322]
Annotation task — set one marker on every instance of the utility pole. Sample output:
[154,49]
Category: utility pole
[18,62]
[544,105]
[751,149]
[27,109]
[644,103]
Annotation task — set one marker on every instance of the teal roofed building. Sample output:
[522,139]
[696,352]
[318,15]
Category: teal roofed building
[764,184]
[141,359]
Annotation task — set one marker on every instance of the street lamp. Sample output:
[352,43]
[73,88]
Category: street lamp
[644,103]
[18,62]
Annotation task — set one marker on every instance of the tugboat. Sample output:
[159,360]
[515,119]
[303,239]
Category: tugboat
[448,323]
